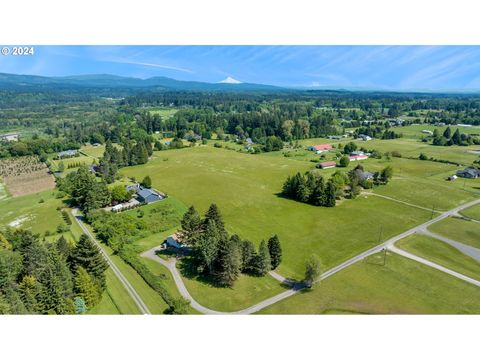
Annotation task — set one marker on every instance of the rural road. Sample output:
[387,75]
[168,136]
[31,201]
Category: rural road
[171,266]
[466,249]
[390,244]
[130,289]
[408,255]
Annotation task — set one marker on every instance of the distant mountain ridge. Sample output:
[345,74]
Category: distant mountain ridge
[116,82]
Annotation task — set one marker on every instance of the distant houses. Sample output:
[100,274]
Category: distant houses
[9,137]
[320,148]
[358,155]
[67,154]
[469,173]
[327,165]
[363,175]
[364,137]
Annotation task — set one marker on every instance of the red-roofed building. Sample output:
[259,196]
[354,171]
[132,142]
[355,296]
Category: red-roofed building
[320,148]
[327,165]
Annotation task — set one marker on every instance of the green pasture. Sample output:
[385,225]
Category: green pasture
[401,286]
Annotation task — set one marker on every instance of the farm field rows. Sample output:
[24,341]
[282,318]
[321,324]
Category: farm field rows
[401,286]
[441,253]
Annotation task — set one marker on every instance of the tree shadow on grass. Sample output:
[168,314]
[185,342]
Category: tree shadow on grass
[189,269]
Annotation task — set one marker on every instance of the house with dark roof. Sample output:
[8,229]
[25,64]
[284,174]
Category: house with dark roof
[469,173]
[363,175]
[148,195]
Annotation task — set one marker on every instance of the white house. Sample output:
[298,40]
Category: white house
[175,241]
[9,137]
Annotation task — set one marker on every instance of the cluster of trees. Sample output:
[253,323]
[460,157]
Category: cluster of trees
[130,154]
[85,190]
[225,257]
[310,188]
[457,138]
[37,277]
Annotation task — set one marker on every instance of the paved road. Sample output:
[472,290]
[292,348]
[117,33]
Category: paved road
[466,249]
[171,266]
[393,248]
[151,254]
[130,289]
[400,201]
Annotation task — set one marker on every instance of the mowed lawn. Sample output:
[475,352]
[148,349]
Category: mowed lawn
[472,212]
[441,253]
[467,232]
[402,286]
[246,187]
[247,291]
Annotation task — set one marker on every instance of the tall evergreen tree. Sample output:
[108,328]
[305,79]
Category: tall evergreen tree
[86,288]
[207,246]
[275,251]
[447,133]
[191,225]
[229,261]
[213,213]
[87,256]
[249,255]
[263,262]
[330,200]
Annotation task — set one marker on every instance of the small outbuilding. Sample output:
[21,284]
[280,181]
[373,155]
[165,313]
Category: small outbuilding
[327,165]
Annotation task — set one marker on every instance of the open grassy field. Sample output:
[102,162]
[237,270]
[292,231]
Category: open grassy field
[402,286]
[245,188]
[83,160]
[472,212]
[93,151]
[247,290]
[115,300]
[441,253]
[467,232]
[36,212]
[164,112]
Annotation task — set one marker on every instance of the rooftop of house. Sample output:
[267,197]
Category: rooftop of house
[328,163]
[322,147]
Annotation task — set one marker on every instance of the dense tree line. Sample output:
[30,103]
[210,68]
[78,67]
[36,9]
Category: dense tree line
[457,138]
[222,256]
[131,154]
[37,277]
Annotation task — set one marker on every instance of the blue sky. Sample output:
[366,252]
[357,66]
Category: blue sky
[386,67]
